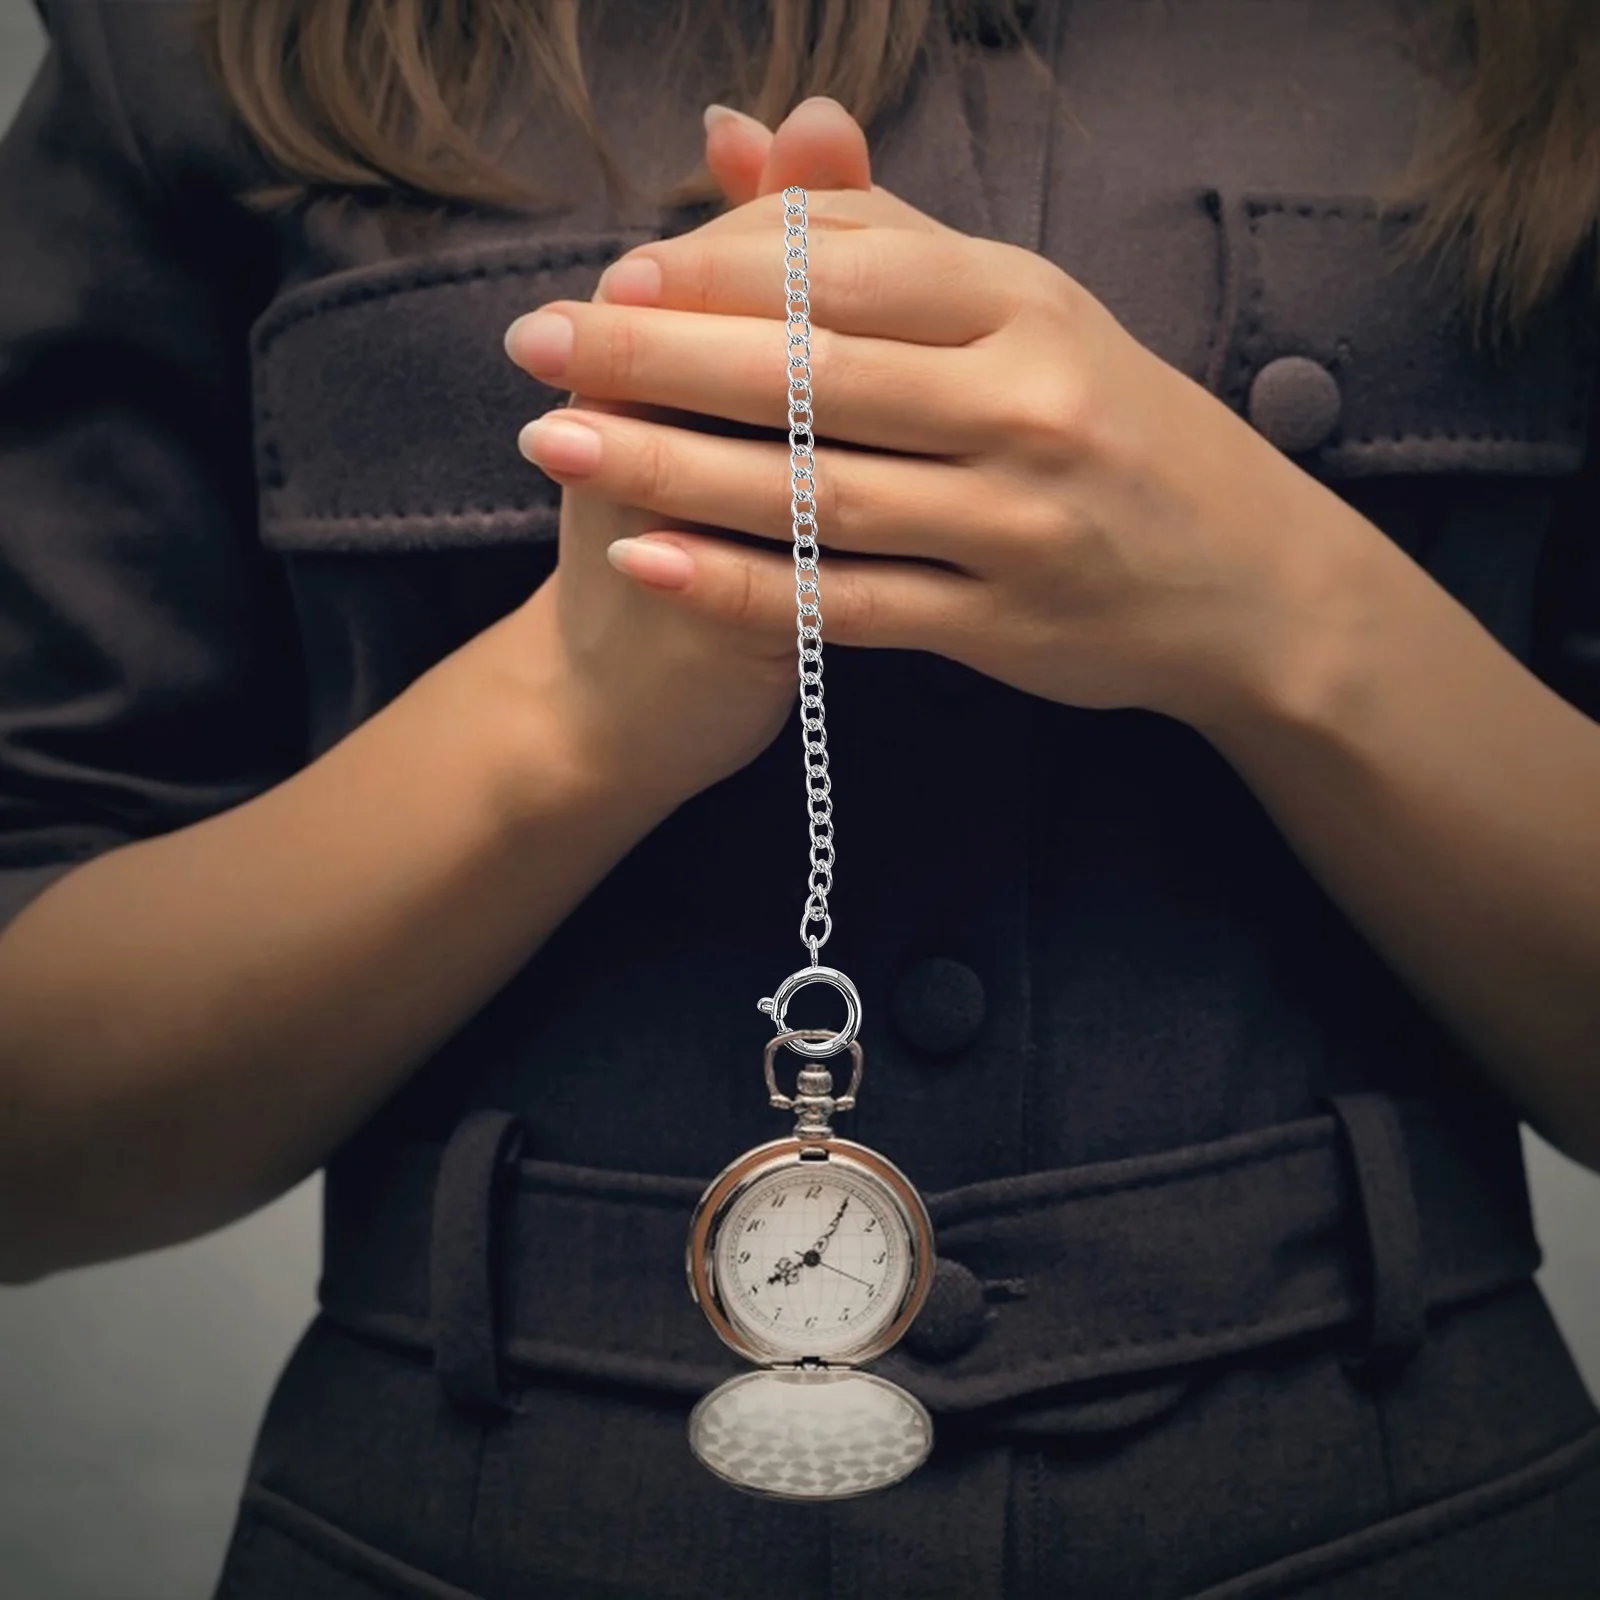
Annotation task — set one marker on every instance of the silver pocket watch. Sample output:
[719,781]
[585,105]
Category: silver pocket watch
[810,1255]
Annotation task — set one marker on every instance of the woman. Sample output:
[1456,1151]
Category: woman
[1221,883]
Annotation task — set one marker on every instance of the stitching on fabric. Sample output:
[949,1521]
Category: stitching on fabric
[1179,1345]
[424,274]
[1314,1142]
[1214,205]
[1428,436]
[1537,1483]
[1257,209]
[361,519]
[431,274]
[283,1514]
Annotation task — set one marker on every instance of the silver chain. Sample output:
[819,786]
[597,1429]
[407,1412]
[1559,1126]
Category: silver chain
[819,805]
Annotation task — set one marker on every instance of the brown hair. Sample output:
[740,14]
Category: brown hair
[397,97]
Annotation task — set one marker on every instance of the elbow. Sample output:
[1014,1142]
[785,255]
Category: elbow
[17,1270]
[34,1225]
[25,1254]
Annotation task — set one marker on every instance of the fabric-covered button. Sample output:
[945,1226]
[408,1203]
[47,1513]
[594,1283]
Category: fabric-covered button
[951,1317]
[937,1004]
[1295,402]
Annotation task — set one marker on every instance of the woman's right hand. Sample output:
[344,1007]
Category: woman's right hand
[661,700]
[665,701]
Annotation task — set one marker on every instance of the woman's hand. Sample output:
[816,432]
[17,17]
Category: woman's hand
[673,698]
[1063,510]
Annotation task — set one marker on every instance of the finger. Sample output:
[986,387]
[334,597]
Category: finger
[861,501]
[941,290]
[736,151]
[884,604]
[820,145]
[827,210]
[883,393]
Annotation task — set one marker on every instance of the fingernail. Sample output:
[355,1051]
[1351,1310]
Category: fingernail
[541,340]
[716,112]
[563,443]
[635,279]
[651,561]
[820,99]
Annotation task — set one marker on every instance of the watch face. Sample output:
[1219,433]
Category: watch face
[813,1258]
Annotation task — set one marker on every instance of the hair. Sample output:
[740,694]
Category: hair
[396,99]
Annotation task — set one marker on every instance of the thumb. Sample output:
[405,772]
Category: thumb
[818,145]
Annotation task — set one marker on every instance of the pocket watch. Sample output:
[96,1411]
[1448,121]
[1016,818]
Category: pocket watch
[810,1255]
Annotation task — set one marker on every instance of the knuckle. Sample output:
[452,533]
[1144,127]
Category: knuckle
[705,280]
[1037,522]
[620,352]
[744,600]
[652,474]
[829,363]
[860,273]
[851,609]
[837,507]
[1048,413]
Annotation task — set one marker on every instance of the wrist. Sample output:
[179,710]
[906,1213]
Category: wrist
[544,750]
[1333,594]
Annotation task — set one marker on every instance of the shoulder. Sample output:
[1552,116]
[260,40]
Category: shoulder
[141,67]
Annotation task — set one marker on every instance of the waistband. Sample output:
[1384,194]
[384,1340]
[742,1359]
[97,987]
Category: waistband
[1358,1222]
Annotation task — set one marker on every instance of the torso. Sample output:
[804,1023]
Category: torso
[1077,936]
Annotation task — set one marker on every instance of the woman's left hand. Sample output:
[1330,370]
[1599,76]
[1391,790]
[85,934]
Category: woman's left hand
[1066,512]
[1063,510]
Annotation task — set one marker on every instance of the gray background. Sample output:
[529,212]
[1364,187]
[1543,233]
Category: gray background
[130,1393]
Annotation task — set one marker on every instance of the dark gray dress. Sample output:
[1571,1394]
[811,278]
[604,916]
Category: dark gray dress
[1235,1292]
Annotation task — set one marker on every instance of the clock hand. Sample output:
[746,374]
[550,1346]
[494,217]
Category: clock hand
[822,1243]
[785,1271]
[843,1274]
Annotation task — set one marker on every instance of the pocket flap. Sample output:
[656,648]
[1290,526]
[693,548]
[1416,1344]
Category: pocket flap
[387,410]
[1358,360]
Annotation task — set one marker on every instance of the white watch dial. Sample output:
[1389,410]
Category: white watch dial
[813,1259]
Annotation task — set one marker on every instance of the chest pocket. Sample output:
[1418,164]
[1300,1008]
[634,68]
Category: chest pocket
[386,416]
[1358,362]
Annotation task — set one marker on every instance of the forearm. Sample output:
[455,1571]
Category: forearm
[1451,803]
[190,1023]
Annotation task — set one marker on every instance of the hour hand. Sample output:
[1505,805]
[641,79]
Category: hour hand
[784,1271]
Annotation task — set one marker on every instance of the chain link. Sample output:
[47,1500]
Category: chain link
[819,804]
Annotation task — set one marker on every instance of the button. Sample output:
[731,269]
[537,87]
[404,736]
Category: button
[937,1004]
[953,1315]
[1295,403]
[943,678]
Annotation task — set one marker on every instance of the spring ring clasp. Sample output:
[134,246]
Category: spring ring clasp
[777,1005]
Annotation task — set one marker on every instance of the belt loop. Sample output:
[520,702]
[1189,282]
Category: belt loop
[1375,1143]
[483,1149]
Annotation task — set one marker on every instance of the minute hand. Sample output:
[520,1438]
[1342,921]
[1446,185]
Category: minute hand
[822,1243]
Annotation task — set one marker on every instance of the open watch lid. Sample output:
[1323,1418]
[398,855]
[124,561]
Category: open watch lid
[808,1431]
